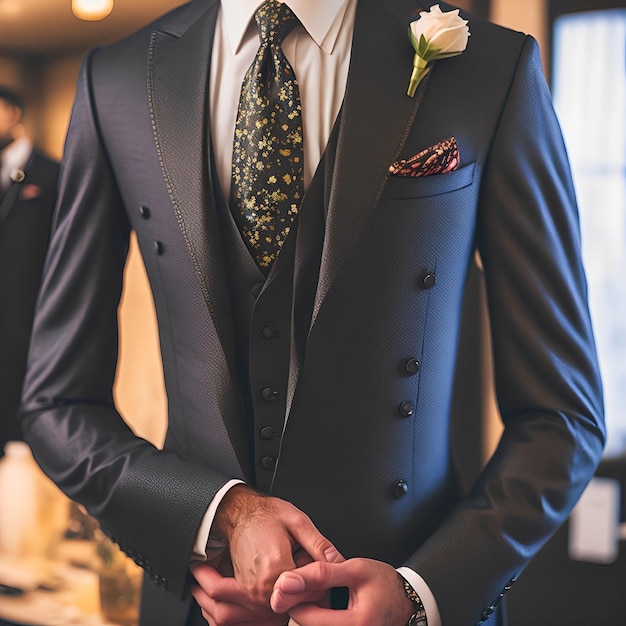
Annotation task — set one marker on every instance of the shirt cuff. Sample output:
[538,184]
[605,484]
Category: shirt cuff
[425,594]
[207,547]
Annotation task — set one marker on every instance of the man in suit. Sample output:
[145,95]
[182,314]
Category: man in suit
[310,389]
[28,183]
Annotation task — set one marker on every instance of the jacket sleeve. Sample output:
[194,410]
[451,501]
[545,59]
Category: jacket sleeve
[150,501]
[546,373]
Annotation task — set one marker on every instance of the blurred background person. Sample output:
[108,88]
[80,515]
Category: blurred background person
[28,187]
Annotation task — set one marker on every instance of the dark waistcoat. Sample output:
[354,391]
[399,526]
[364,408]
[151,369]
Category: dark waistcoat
[271,317]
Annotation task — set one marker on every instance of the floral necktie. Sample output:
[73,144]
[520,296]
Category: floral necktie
[268,158]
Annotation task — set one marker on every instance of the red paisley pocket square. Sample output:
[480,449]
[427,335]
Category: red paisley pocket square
[441,158]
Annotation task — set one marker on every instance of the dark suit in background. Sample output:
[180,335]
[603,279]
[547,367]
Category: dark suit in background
[373,280]
[26,209]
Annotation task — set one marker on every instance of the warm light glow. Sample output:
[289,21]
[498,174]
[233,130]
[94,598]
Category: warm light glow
[10,8]
[92,10]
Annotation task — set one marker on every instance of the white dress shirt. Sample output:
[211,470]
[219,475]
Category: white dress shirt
[319,52]
[14,157]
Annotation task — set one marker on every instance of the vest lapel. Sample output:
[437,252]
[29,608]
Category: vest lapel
[377,116]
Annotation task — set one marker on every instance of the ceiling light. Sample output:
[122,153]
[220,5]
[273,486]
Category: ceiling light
[92,10]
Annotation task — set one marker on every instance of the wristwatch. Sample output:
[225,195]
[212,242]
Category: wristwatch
[419,616]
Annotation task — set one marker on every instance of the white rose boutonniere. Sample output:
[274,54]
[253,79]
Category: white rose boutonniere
[435,35]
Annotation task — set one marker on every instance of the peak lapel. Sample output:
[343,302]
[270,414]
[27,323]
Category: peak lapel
[178,90]
[377,116]
[178,86]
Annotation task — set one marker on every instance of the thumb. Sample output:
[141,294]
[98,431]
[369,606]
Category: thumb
[306,584]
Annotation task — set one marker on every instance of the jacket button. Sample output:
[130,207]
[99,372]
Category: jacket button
[144,211]
[406,409]
[268,433]
[268,462]
[268,332]
[429,281]
[256,290]
[269,395]
[401,489]
[158,247]
[412,366]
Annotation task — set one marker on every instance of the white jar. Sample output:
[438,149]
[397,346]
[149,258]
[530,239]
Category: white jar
[33,512]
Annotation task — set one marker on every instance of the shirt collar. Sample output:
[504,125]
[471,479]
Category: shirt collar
[322,19]
[16,154]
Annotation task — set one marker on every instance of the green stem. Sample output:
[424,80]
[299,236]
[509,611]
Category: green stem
[420,69]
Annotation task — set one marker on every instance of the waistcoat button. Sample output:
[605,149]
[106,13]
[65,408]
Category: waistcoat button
[268,462]
[268,332]
[256,290]
[269,395]
[268,433]
[158,247]
[144,211]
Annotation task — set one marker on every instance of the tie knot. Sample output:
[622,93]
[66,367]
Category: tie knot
[275,20]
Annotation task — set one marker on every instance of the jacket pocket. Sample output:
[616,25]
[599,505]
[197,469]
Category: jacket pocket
[420,187]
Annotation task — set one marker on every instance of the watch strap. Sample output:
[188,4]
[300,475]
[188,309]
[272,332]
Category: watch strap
[419,615]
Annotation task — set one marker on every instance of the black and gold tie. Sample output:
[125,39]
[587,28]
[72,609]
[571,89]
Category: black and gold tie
[268,157]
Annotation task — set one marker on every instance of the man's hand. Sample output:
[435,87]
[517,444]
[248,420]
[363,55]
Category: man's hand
[265,537]
[225,601]
[376,594]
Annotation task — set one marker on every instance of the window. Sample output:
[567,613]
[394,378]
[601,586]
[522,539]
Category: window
[589,88]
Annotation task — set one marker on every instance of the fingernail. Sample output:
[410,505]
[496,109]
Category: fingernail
[291,584]
[331,554]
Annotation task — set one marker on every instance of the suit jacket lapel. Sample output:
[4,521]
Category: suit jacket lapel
[377,116]
[178,86]
[178,89]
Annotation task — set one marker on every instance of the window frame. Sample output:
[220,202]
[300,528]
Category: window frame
[558,8]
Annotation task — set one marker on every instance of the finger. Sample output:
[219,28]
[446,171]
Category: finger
[219,613]
[301,557]
[313,542]
[319,575]
[283,599]
[312,580]
[218,587]
[313,615]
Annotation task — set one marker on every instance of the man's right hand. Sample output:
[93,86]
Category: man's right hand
[265,536]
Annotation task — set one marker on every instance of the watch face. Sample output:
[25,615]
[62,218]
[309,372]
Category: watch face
[418,619]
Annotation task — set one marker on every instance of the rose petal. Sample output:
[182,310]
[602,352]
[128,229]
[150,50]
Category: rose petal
[450,40]
[445,33]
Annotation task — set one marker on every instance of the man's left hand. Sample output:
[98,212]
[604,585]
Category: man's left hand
[376,594]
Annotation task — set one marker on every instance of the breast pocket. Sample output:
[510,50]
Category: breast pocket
[399,187]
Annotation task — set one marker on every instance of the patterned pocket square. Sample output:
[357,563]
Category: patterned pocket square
[441,158]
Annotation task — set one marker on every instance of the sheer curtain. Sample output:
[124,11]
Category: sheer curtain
[589,89]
